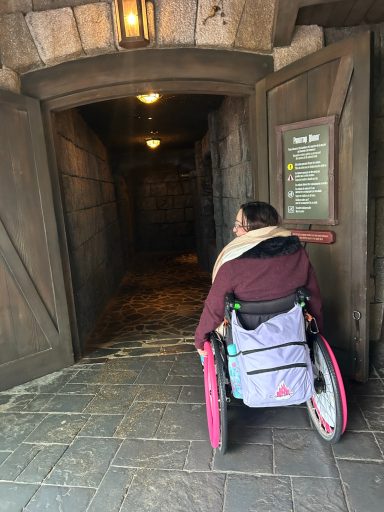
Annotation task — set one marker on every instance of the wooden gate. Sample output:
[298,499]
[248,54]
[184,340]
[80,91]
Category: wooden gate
[34,327]
[333,82]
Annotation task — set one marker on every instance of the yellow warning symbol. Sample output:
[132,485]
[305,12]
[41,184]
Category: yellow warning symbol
[290,167]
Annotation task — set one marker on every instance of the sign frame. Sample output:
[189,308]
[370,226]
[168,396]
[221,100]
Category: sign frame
[280,130]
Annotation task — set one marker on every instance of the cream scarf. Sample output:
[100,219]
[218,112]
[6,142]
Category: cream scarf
[243,243]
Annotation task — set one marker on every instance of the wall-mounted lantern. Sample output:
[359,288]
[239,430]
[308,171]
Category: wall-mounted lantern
[132,23]
[149,98]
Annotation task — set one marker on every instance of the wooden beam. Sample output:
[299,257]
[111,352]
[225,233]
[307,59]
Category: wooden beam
[341,85]
[16,269]
[285,19]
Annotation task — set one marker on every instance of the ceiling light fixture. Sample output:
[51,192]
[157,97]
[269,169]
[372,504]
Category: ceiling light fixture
[153,143]
[132,23]
[149,98]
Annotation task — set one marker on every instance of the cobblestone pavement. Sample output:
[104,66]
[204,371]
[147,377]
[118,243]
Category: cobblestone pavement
[126,431]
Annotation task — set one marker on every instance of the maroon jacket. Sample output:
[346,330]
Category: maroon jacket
[273,269]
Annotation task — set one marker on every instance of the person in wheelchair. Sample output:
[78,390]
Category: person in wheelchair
[263,262]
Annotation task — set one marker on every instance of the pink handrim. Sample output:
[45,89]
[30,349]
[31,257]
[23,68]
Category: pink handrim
[340,383]
[211,397]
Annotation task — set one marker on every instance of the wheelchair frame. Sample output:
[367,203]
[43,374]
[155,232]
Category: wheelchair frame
[327,408]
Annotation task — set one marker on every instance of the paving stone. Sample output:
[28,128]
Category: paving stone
[245,434]
[303,453]
[105,376]
[67,403]
[180,380]
[14,402]
[187,367]
[154,373]
[355,445]
[356,420]
[199,457]
[372,387]
[41,464]
[142,420]
[58,428]
[18,461]
[183,421]
[279,417]
[197,492]
[192,395]
[60,499]
[380,439]
[15,427]
[160,393]
[373,410]
[112,490]
[113,399]
[363,483]
[247,458]
[38,402]
[3,456]
[101,426]
[126,364]
[325,494]
[81,389]
[49,384]
[85,462]
[14,497]
[149,453]
[261,493]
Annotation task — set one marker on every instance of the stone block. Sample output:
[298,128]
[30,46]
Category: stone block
[153,216]
[223,151]
[306,40]
[245,154]
[45,5]
[375,321]
[379,279]
[164,203]
[18,50]
[217,30]
[175,215]
[9,6]
[189,214]
[55,34]
[379,232]
[252,35]
[10,80]
[188,186]
[174,188]
[94,22]
[175,22]
[159,189]
[234,147]
[147,203]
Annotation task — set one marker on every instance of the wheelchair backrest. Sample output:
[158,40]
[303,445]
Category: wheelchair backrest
[251,314]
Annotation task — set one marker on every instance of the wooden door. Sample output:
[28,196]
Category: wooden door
[332,82]
[34,327]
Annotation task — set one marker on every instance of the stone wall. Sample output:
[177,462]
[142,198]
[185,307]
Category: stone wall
[92,227]
[231,164]
[38,33]
[376,172]
[163,192]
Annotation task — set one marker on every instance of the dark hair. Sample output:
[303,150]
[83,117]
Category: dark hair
[256,215]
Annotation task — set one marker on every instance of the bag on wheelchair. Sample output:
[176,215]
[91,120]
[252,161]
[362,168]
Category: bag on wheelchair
[274,360]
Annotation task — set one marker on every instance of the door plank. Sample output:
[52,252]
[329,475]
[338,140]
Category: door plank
[20,275]
[341,86]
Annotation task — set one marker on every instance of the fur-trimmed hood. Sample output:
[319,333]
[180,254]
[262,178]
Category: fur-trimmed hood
[278,246]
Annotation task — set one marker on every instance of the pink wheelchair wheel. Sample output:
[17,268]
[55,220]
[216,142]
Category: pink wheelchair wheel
[211,397]
[327,408]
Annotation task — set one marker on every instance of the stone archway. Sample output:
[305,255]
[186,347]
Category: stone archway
[106,77]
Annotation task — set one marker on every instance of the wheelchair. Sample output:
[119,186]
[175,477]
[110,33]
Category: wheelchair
[326,404]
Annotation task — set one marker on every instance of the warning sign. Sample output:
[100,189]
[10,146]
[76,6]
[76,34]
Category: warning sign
[290,177]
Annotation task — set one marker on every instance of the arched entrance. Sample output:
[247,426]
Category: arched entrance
[41,287]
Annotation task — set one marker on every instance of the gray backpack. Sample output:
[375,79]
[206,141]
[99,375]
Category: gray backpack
[274,360]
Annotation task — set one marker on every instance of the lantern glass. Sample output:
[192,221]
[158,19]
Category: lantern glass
[153,143]
[132,23]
